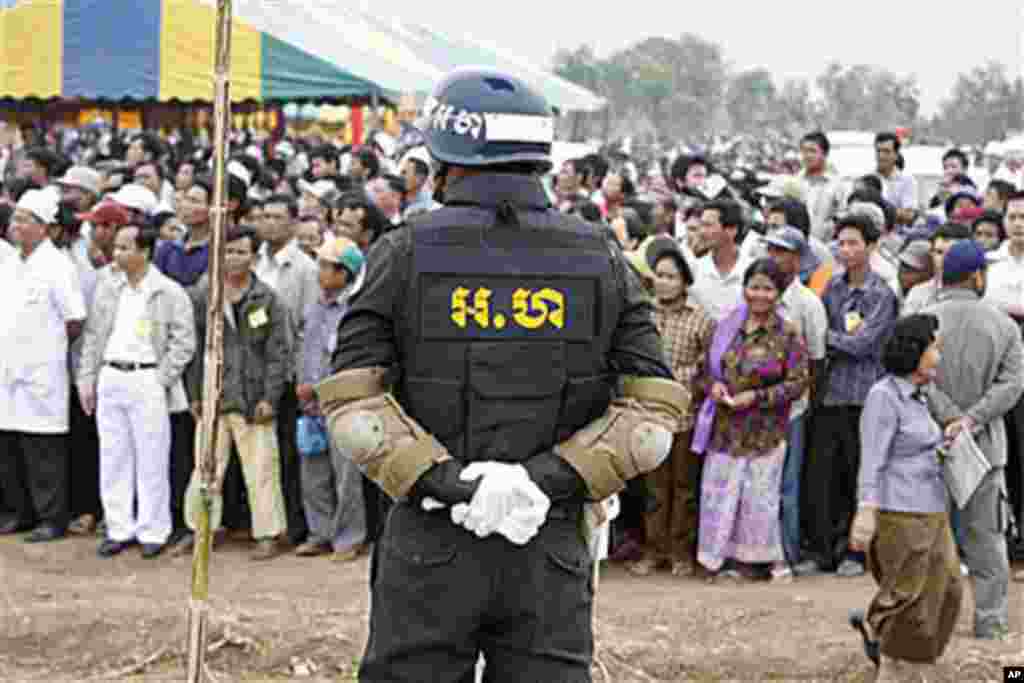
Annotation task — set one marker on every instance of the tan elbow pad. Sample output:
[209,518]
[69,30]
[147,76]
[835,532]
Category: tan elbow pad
[369,427]
[633,437]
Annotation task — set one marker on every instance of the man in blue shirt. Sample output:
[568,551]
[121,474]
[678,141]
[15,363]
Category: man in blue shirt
[861,310]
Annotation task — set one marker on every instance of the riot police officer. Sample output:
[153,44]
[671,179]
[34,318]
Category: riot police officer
[498,370]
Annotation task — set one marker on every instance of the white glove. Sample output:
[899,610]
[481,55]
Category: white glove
[506,501]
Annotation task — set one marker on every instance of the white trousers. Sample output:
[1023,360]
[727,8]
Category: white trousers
[135,451]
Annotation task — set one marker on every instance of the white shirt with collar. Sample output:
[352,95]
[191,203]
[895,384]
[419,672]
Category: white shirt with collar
[294,278]
[718,292]
[803,308]
[1005,282]
[130,340]
[41,295]
[6,251]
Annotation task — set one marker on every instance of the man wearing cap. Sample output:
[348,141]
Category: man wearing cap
[332,490]
[927,293]
[317,198]
[105,219]
[979,381]
[139,200]
[915,266]
[415,170]
[788,247]
[43,311]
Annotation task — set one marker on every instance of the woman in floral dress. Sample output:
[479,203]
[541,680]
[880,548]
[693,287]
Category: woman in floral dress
[756,367]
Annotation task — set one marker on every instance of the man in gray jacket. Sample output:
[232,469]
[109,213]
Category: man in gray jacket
[257,363]
[139,337]
[979,380]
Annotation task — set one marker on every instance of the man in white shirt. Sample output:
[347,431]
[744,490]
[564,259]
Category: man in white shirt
[898,188]
[294,278]
[718,277]
[1005,291]
[823,191]
[6,251]
[138,341]
[801,306]
[43,310]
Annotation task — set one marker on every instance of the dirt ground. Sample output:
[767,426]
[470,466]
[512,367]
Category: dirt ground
[67,615]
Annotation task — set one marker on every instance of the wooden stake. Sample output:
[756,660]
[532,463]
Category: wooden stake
[213,352]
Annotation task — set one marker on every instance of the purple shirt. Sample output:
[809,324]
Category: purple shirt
[320,338]
[184,266]
[899,465]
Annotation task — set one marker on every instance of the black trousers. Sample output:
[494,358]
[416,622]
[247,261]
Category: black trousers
[1014,421]
[34,477]
[84,462]
[440,596]
[183,461]
[828,487]
[291,472]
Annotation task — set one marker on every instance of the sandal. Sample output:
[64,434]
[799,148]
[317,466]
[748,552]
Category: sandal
[641,567]
[683,568]
[782,575]
[83,526]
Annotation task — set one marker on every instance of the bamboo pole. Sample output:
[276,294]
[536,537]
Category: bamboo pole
[213,352]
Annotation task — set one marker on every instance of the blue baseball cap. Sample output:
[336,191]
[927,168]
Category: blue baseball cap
[962,259]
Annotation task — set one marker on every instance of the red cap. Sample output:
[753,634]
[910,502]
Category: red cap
[107,212]
[968,214]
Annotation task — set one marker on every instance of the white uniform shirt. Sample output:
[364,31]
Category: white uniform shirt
[718,293]
[6,251]
[40,295]
[1005,282]
[803,308]
[268,266]
[130,340]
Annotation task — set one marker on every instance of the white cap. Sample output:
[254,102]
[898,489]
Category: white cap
[83,178]
[136,197]
[324,190]
[418,152]
[43,204]
[239,170]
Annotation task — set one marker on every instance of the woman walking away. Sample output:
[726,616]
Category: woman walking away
[757,366]
[901,519]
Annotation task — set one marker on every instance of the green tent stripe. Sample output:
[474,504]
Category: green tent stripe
[289,73]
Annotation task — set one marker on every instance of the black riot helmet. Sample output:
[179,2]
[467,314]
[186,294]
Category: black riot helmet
[482,117]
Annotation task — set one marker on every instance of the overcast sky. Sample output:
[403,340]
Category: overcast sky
[933,41]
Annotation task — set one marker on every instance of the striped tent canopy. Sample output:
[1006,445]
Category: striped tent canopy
[162,50]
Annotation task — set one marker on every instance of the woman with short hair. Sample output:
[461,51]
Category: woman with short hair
[902,521]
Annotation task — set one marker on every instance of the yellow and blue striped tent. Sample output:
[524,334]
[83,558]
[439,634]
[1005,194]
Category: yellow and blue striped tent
[162,50]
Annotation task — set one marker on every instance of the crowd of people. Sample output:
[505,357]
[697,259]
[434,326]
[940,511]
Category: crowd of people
[833,336]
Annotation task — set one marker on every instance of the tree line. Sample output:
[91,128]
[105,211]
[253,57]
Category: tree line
[684,90]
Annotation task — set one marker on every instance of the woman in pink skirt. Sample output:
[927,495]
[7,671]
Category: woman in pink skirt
[756,367]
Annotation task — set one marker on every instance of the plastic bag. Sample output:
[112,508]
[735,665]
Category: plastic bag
[311,436]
